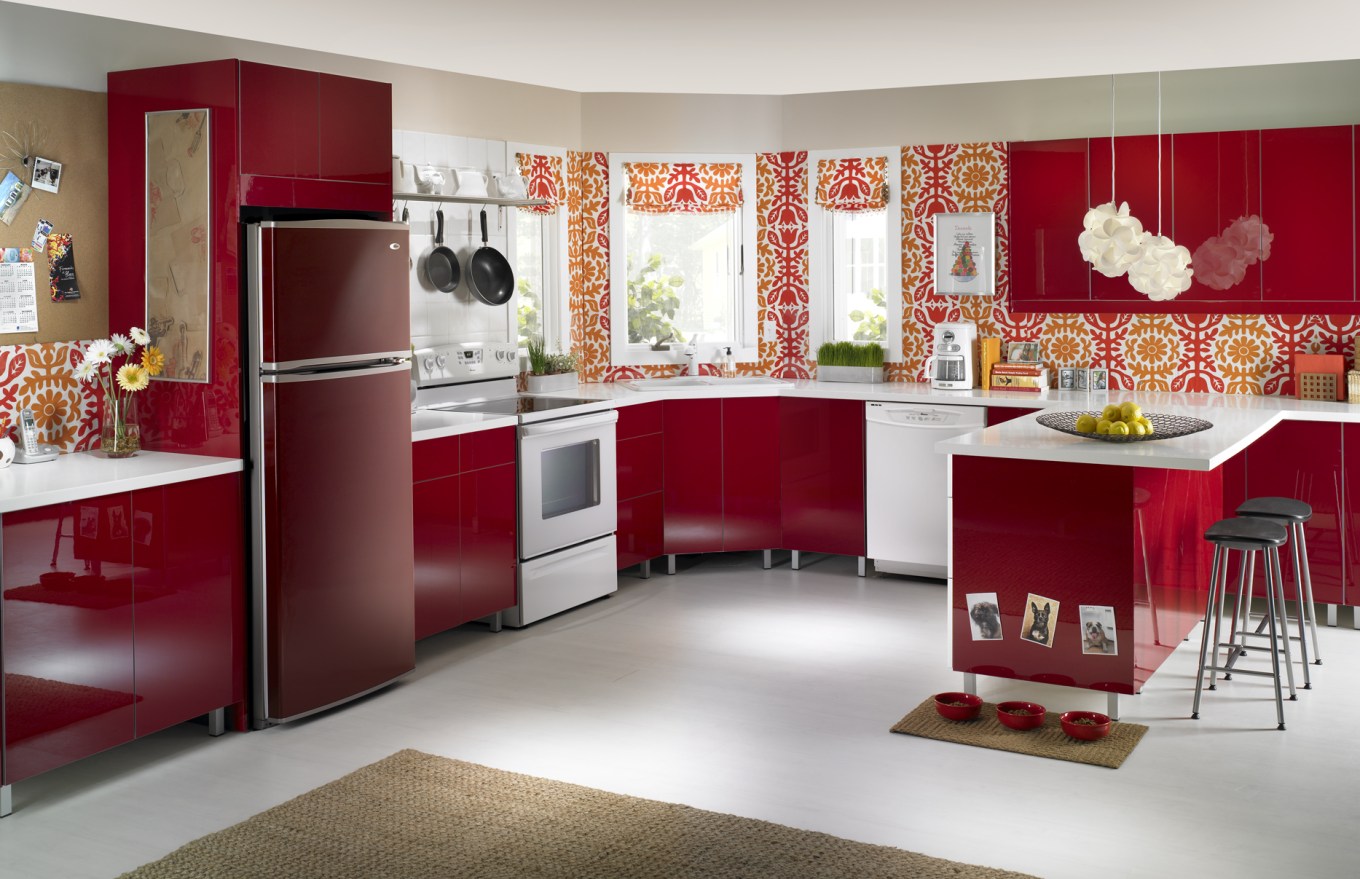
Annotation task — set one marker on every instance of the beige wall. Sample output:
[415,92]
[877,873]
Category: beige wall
[643,123]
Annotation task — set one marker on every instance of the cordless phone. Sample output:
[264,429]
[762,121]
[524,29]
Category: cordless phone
[30,450]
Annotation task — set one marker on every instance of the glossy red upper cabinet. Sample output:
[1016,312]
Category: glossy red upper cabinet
[1303,460]
[1142,177]
[750,474]
[821,455]
[1048,198]
[1307,188]
[278,121]
[1216,178]
[189,606]
[355,127]
[693,476]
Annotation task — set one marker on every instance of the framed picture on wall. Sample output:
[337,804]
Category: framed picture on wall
[965,254]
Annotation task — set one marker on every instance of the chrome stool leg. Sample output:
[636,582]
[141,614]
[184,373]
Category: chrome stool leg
[1304,580]
[1219,553]
[1282,629]
[1274,654]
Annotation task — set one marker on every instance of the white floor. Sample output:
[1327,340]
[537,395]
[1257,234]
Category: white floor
[767,694]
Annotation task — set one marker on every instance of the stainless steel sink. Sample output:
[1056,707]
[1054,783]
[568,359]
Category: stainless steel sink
[699,381]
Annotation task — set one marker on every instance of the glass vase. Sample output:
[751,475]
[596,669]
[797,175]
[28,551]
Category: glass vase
[120,436]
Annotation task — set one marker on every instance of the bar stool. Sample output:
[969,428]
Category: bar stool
[1292,514]
[1247,535]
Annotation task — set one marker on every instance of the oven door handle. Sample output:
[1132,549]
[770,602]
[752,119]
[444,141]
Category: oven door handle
[565,425]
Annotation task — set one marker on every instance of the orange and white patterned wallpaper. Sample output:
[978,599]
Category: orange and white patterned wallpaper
[1236,354]
[42,377]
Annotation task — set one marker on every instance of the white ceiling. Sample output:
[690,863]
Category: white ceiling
[775,47]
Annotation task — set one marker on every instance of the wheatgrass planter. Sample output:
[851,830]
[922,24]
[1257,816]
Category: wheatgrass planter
[862,374]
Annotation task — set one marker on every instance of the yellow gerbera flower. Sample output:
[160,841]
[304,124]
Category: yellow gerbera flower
[153,361]
[132,377]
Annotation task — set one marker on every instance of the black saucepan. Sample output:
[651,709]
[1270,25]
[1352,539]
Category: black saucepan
[441,266]
[492,278]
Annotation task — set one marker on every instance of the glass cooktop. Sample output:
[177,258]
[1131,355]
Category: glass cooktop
[517,405]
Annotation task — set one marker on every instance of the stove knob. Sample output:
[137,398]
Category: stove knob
[429,364]
[441,360]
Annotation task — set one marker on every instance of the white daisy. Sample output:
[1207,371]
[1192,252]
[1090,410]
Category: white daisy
[100,351]
[87,370]
[139,336]
[121,344]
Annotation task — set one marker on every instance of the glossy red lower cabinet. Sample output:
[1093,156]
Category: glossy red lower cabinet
[122,615]
[464,503]
[487,536]
[1303,460]
[640,535]
[693,468]
[437,554]
[639,465]
[750,473]
[1002,414]
[1350,505]
[821,475]
[189,609]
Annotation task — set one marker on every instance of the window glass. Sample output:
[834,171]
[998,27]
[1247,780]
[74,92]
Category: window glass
[683,275]
[859,275]
[529,276]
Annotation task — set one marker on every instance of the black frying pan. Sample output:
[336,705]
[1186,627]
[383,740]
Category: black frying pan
[492,278]
[441,266]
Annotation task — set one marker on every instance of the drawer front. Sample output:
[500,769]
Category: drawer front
[433,458]
[639,420]
[488,448]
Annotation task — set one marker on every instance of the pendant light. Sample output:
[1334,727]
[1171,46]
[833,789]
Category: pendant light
[1113,240]
[1162,271]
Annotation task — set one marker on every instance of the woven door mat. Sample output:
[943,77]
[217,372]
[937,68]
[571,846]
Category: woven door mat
[417,816]
[1045,741]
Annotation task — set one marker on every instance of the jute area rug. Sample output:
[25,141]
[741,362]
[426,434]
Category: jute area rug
[414,816]
[1045,741]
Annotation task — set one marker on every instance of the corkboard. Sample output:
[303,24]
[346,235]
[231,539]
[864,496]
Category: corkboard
[76,126]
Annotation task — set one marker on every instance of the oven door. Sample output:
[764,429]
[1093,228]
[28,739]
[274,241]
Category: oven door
[568,489]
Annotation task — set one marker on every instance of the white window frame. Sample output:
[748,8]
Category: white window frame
[821,246]
[745,348]
[556,316]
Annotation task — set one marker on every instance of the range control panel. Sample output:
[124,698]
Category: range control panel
[464,361]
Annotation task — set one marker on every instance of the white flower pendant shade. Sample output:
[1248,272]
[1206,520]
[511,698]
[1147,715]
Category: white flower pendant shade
[1163,271]
[1113,240]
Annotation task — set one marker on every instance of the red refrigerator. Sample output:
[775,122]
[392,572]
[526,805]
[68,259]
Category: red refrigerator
[329,420]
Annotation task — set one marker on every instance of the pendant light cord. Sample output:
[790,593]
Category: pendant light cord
[1159,153]
[1112,138]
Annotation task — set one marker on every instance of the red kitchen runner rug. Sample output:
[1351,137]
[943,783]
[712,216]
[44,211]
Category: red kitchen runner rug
[1045,741]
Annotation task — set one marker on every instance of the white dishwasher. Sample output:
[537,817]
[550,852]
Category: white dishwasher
[906,501]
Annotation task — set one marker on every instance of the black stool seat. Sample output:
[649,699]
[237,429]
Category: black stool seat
[1246,533]
[1276,508]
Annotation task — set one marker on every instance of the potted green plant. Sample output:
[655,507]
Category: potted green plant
[850,362]
[549,372]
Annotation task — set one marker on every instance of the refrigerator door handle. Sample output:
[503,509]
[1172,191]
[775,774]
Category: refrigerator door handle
[331,375]
[291,365]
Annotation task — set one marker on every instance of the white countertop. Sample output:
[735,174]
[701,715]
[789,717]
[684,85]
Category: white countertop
[1238,420]
[429,424]
[92,474]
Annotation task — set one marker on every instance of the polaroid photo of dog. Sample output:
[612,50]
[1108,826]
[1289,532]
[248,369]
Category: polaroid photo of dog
[984,616]
[46,174]
[1041,620]
[1098,636]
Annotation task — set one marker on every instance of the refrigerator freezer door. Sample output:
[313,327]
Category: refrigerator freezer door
[334,593]
[328,291]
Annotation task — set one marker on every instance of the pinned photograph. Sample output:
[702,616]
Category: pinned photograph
[1041,619]
[46,174]
[1098,637]
[984,616]
[13,194]
[40,233]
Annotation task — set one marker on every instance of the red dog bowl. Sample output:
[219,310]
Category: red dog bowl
[1020,715]
[1085,725]
[958,706]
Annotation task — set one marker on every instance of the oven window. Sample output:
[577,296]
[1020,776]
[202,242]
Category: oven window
[571,478]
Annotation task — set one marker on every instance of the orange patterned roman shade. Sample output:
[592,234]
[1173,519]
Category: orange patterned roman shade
[543,179]
[683,187]
[854,184]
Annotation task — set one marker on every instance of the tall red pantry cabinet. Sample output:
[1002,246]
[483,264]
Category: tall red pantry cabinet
[278,138]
